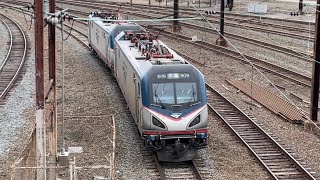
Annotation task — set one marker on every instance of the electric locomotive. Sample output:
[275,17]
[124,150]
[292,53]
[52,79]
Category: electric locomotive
[165,94]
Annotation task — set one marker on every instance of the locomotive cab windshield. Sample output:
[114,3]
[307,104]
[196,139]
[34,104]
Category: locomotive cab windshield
[176,89]
[175,94]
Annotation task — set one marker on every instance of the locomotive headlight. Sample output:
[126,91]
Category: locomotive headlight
[195,121]
[157,123]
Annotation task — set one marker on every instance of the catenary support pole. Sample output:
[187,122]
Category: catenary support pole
[221,41]
[301,6]
[39,73]
[315,70]
[176,26]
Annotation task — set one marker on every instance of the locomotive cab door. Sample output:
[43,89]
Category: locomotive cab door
[137,98]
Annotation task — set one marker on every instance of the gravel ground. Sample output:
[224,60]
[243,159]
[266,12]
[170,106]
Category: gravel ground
[225,161]
[291,63]
[16,118]
[4,39]
[91,91]
[238,70]
[304,144]
[226,157]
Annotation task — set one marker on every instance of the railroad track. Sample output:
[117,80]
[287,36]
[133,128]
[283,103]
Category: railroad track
[165,12]
[185,170]
[12,65]
[256,42]
[195,169]
[261,64]
[278,162]
[250,22]
[288,51]
[264,44]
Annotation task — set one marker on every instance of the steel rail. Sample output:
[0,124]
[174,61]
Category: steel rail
[10,46]
[13,65]
[186,169]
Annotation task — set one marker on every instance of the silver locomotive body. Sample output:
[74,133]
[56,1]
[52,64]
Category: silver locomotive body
[165,94]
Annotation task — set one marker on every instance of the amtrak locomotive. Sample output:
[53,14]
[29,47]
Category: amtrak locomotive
[165,94]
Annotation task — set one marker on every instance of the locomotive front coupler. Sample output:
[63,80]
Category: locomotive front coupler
[154,142]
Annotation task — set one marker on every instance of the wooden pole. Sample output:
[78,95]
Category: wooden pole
[40,123]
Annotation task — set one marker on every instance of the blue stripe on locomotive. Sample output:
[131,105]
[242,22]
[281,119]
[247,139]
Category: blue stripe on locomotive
[146,101]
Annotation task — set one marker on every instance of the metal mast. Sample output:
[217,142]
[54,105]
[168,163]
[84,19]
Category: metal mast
[300,6]
[221,41]
[315,70]
[176,26]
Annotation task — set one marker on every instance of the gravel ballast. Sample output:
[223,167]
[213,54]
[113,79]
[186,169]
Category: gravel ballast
[17,118]
[4,39]
[227,158]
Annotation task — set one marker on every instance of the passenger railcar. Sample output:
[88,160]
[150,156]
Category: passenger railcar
[165,94]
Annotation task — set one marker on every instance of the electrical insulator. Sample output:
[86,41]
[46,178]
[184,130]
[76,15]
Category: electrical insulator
[30,6]
[52,20]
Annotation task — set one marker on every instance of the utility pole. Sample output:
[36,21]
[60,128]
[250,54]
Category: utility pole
[315,70]
[221,41]
[176,26]
[300,6]
[53,103]
[40,122]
